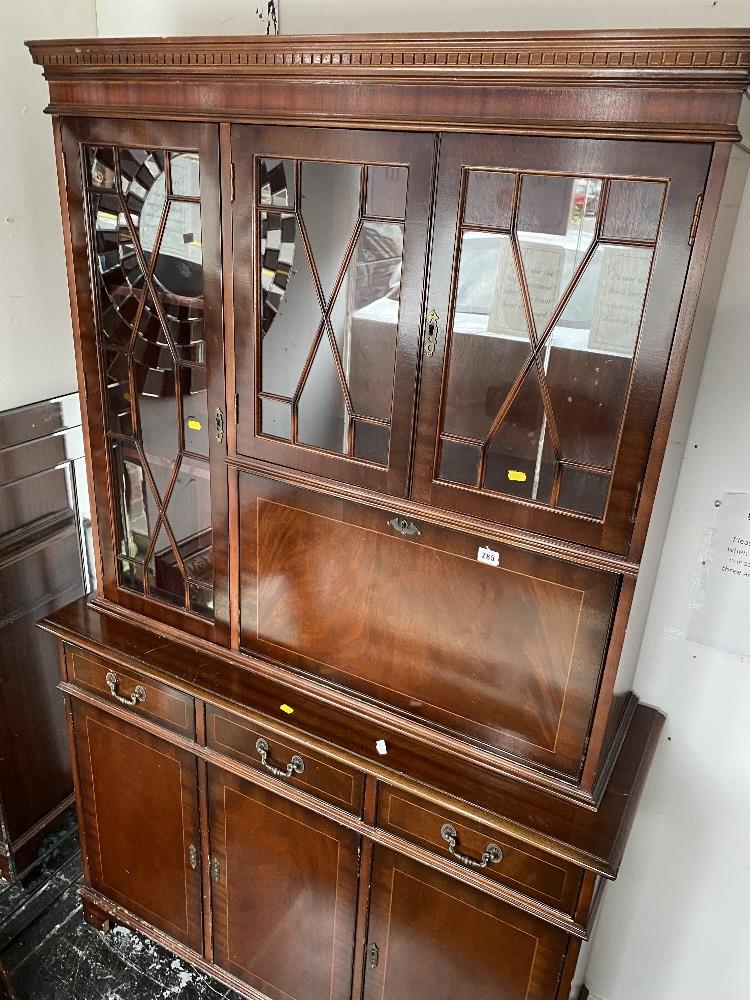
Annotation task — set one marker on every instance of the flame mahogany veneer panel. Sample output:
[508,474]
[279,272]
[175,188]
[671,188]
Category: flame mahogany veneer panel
[506,656]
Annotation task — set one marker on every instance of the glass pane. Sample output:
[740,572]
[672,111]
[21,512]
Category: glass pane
[489,344]
[583,492]
[137,509]
[321,416]
[159,421]
[371,442]
[556,225]
[118,392]
[195,410]
[591,352]
[330,209]
[119,278]
[365,317]
[489,198]
[189,516]
[140,170]
[459,463]
[516,458]
[386,192]
[185,174]
[201,600]
[100,167]
[291,308]
[131,574]
[633,209]
[165,576]
[276,419]
[276,182]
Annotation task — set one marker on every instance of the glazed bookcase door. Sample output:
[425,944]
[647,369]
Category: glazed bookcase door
[429,936]
[557,272]
[144,218]
[330,231]
[284,891]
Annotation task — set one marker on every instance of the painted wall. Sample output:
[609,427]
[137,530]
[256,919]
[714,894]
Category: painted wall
[183,17]
[35,337]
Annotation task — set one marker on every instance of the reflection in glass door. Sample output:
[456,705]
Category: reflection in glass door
[331,249]
[552,283]
[145,213]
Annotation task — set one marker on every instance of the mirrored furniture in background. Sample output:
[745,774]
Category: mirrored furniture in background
[45,560]
[380,340]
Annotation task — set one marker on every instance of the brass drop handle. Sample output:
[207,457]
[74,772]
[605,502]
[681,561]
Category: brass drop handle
[492,853]
[433,321]
[139,694]
[295,766]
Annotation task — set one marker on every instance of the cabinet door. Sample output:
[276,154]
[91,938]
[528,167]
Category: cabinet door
[330,231]
[139,806]
[284,894]
[432,938]
[144,222]
[557,272]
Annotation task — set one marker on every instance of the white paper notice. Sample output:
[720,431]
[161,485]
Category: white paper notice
[721,616]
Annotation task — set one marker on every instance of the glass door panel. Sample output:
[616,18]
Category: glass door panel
[330,246]
[559,315]
[155,291]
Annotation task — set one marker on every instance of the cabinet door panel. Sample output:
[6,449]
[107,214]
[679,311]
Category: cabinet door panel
[439,940]
[507,655]
[557,268]
[144,219]
[139,799]
[330,232]
[287,888]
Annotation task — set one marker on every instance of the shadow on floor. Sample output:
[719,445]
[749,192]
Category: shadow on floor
[48,952]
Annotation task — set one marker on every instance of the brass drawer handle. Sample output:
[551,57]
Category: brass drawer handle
[492,853]
[295,766]
[138,695]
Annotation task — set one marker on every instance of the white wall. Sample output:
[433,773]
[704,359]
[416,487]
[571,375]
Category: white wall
[502,15]
[182,17]
[36,349]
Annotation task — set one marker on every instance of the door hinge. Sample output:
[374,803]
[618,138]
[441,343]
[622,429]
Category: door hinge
[193,857]
[231,183]
[64,169]
[237,408]
[372,955]
[636,501]
[215,870]
[696,219]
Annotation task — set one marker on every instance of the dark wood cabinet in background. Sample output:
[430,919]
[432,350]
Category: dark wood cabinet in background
[380,340]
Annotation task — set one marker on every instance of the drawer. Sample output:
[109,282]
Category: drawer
[292,764]
[150,699]
[527,870]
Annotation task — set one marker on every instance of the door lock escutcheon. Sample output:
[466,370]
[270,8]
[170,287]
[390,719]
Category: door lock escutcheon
[433,327]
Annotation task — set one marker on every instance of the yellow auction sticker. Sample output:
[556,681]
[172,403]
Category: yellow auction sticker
[516,477]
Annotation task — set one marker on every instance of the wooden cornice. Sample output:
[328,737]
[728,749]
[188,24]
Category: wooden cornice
[679,56]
